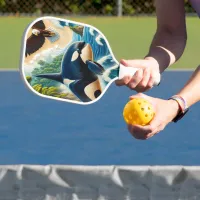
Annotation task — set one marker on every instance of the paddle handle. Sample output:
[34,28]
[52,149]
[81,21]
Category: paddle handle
[130,71]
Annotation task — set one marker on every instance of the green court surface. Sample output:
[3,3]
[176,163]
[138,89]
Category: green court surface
[129,38]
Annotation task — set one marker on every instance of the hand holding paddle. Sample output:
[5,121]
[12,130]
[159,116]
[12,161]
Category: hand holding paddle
[145,77]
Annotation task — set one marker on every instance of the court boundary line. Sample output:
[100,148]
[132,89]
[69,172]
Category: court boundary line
[169,70]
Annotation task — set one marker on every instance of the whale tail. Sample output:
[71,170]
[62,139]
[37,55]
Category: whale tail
[54,76]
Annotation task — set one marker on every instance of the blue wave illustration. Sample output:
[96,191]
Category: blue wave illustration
[98,44]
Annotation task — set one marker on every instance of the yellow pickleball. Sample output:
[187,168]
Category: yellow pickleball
[138,111]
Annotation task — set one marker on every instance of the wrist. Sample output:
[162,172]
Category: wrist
[175,106]
[163,56]
[182,107]
[155,63]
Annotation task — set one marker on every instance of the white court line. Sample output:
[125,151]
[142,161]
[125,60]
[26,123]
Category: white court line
[180,70]
[168,70]
[8,70]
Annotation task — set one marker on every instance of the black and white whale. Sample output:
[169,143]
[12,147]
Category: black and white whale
[79,72]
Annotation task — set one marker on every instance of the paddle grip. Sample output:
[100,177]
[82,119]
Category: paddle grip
[130,71]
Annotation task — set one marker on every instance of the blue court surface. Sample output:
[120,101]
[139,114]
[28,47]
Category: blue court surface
[35,130]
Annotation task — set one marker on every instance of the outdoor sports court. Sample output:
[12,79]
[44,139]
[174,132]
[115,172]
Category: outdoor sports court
[44,132]
[37,130]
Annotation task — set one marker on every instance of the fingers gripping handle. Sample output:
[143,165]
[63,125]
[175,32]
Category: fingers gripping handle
[130,71]
[126,71]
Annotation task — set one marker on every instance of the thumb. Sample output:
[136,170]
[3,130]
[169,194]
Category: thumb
[134,63]
[150,99]
[138,95]
[155,123]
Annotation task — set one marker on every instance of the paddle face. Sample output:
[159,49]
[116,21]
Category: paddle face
[67,61]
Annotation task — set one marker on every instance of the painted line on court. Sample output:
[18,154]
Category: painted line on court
[180,70]
[168,70]
[8,70]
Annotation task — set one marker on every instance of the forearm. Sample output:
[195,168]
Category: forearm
[170,38]
[167,47]
[191,91]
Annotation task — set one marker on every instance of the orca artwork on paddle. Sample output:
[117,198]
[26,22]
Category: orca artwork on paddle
[78,73]
[75,64]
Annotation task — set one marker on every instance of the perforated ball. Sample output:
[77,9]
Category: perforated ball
[138,111]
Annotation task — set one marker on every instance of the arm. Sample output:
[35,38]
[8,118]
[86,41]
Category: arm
[170,38]
[191,91]
[166,48]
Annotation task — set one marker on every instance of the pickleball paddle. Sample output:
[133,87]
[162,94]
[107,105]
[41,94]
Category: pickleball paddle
[69,61]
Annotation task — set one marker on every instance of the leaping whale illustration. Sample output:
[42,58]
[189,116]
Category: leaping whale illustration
[78,73]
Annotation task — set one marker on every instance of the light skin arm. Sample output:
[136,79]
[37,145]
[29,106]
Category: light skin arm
[191,91]
[167,46]
[171,35]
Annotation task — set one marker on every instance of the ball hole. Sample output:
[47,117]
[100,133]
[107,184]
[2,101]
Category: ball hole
[146,115]
[142,109]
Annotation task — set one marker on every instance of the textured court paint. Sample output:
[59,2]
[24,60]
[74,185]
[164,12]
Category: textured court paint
[35,130]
